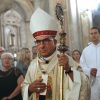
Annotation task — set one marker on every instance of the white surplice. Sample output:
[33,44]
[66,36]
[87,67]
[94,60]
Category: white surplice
[90,58]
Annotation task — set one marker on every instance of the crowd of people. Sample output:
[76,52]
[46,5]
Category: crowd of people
[37,77]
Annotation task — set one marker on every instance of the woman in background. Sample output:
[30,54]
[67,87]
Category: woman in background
[76,55]
[10,79]
[24,60]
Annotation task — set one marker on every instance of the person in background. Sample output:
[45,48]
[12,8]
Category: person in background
[90,62]
[76,54]
[24,60]
[10,79]
[1,51]
[42,78]
[34,52]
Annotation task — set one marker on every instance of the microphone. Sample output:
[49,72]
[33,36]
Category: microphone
[46,61]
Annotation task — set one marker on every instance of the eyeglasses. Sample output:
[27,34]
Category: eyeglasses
[94,33]
[44,41]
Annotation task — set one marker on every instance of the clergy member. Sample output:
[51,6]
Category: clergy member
[42,81]
[90,61]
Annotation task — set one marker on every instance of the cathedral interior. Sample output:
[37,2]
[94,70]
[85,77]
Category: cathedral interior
[79,17]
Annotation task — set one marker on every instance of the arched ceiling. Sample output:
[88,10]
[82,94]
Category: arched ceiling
[25,6]
[5,5]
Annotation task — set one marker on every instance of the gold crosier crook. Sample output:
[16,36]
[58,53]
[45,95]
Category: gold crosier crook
[62,47]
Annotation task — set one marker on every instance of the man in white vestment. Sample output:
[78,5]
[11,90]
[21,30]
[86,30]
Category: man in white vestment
[90,61]
[42,81]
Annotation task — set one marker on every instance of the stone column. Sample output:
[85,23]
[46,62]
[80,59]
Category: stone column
[29,38]
[2,35]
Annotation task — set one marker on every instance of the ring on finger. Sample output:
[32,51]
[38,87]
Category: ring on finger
[38,89]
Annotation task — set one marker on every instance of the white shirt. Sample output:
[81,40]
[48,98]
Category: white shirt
[90,58]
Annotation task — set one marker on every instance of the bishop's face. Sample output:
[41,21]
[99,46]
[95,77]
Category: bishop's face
[45,46]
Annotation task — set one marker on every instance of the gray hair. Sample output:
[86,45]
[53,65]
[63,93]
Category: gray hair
[7,54]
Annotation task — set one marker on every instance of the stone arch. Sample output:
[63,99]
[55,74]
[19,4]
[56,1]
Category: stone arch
[25,10]
[23,6]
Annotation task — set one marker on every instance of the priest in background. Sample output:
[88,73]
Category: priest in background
[90,61]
